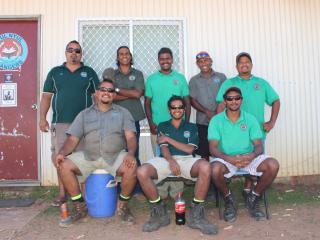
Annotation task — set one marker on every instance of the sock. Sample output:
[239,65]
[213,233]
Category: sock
[228,194]
[254,193]
[197,201]
[158,200]
[124,198]
[77,198]
[247,190]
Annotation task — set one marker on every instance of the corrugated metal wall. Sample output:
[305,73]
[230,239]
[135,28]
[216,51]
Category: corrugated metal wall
[282,36]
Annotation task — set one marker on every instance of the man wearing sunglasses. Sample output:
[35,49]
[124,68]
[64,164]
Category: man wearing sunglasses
[178,140]
[107,131]
[203,90]
[235,143]
[68,88]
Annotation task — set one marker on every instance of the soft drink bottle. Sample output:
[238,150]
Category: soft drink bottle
[180,209]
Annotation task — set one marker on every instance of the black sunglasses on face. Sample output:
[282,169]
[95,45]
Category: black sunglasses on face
[71,50]
[177,107]
[104,89]
[229,98]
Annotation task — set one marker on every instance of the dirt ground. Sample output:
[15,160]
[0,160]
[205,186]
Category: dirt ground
[294,222]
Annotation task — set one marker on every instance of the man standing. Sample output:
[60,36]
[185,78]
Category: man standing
[256,93]
[203,90]
[178,140]
[160,86]
[129,86]
[71,86]
[235,142]
[107,130]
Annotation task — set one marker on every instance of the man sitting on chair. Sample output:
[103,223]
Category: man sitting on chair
[178,140]
[235,143]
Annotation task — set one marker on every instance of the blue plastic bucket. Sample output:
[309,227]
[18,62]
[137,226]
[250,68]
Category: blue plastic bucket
[101,194]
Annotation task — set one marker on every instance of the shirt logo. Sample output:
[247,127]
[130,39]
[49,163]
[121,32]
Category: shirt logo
[13,51]
[186,134]
[83,74]
[175,82]
[243,126]
[132,77]
[216,80]
[256,86]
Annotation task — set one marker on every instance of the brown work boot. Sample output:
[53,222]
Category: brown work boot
[79,211]
[124,213]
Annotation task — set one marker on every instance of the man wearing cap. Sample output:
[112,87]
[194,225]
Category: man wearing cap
[256,92]
[129,86]
[235,143]
[203,90]
[110,143]
[160,86]
[70,87]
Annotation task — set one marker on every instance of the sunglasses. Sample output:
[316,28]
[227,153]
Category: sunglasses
[229,99]
[177,107]
[104,89]
[202,55]
[72,50]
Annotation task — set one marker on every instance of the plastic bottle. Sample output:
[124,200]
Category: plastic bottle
[180,210]
[64,211]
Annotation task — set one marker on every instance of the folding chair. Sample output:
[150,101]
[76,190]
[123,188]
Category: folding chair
[243,173]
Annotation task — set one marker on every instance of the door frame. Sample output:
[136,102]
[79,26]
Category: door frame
[37,182]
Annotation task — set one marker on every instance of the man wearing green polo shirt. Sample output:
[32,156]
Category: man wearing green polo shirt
[178,140]
[256,93]
[70,87]
[235,143]
[160,86]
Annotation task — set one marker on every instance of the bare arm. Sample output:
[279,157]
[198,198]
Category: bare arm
[215,152]
[174,166]
[69,145]
[44,108]
[220,107]
[130,93]
[200,108]
[147,107]
[274,115]
[188,107]
[131,140]
[187,148]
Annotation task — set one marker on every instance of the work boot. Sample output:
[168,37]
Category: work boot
[253,203]
[197,220]
[158,218]
[125,214]
[230,209]
[245,196]
[79,211]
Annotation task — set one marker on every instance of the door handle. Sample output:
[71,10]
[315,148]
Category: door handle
[34,106]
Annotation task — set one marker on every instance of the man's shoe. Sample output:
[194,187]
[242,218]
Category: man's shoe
[245,196]
[80,210]
[197,220]
[125,214]
[230,210]
[158,218]
[253,203]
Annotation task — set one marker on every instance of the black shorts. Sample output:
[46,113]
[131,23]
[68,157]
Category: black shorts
[203,149]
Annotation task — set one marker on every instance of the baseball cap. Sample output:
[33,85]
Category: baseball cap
[243,54]
[202,54]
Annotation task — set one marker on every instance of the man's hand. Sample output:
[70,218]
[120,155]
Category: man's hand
[130,161]
[153,128]
[209,114]
[268,126]
[162,139]
[58,160]
[44,125]
[174,167]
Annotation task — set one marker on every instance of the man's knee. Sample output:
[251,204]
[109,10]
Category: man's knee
[144,171]
[217,169]
[270,165]
[204,168]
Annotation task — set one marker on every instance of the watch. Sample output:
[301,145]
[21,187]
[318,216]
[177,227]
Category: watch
[117,90]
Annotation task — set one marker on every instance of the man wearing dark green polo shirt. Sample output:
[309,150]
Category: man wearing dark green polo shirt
[70,87]
[178,140]
[235,143]
[129,85]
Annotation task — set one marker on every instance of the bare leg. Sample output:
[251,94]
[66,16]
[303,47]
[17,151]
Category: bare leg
[68,171]
[129,179]
[270,168]
[218,171]
[146,173]
[202,171]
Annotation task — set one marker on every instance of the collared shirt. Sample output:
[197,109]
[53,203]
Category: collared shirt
[159,88]
[186,133]
[132,80]
[255,91]
[71,91]
[103,132]
[234,138]
[204,90]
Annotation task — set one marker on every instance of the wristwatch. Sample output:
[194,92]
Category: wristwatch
[117,90]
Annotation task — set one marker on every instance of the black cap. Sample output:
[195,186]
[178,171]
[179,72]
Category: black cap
[232,89]
[243,54]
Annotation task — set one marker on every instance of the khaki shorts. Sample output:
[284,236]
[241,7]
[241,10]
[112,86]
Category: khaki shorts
[251,168]
[163,170]
[87,167]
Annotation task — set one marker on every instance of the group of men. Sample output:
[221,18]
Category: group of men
[229,133]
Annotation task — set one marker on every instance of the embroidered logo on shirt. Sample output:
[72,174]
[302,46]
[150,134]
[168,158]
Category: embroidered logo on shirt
[243,126]
[83,74]
[175,82]
[186,134]
[216,80]
[132,77]
[256,86]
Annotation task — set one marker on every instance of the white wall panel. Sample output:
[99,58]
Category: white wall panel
[282,35]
